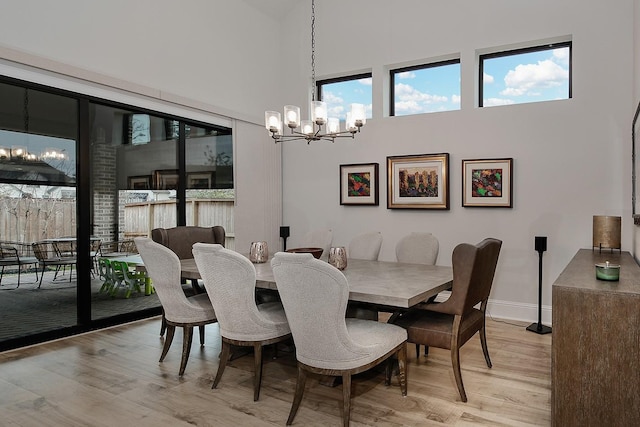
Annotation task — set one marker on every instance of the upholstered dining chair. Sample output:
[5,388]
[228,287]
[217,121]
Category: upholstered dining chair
[365,246]
[314,295]
[320,238]
[230,281]
[453,322]
[418,248]
[163,267]
[180,240]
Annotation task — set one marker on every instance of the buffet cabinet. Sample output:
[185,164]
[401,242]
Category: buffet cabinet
[596,343]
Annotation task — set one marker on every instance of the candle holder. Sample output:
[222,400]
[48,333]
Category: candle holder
[338,257]
[259,252]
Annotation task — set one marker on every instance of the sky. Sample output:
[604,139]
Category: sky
[515,79]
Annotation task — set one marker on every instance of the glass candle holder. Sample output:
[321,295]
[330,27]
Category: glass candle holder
[259,252]
[338,257]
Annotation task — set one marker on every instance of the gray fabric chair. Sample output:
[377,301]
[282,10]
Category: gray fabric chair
[418,248]
[365,246]
[163,267]
[452,323]
[230,281]
[315,295]
[180,240]
[320,238]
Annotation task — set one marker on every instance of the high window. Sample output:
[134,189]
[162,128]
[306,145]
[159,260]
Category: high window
[340,93]
[541,73]
[425,88]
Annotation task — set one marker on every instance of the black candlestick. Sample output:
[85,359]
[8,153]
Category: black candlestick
[539,328]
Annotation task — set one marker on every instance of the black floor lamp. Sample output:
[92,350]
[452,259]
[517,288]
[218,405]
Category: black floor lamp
[539,328]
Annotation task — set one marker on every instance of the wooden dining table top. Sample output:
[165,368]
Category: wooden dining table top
[386,283]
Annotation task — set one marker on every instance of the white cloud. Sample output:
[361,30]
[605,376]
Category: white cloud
[526,79]
[406,75]
[335,103]
[367,82]
[487,78]
[455,99]
[561,55]
[413,101]
[492,102]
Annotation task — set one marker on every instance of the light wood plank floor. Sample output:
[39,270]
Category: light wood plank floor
[113,378]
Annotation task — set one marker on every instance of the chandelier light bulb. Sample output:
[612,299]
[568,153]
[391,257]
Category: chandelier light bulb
[319,112]
[292,116]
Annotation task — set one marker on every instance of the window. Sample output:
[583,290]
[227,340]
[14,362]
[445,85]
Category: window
[425,88]
[340,93]
[541,73]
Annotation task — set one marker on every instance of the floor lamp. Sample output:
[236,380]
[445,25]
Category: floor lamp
[539,328]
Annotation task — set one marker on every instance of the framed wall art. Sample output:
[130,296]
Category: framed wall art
[166,179]
[418,181]
[487,183]
[359,184]
[141,182]
[199,180]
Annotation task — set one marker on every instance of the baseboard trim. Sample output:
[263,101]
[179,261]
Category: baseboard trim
[510,310]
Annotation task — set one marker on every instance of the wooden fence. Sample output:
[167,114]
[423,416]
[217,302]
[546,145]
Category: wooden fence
[31,220]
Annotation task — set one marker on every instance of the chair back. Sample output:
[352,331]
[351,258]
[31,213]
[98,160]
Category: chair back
[181,239]
[321,238]
[314,295]
[163,266]
[474,267]
[230,281]
[418,248]
[365,246]
[43,251]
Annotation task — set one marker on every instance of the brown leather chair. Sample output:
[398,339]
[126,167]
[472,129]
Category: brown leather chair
[453,322]
[181,239]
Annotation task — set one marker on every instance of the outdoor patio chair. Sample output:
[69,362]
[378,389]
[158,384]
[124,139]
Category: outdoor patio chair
[48,257]
[10,257]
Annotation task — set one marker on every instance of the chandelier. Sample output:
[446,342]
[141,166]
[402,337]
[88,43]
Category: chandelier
[320,126]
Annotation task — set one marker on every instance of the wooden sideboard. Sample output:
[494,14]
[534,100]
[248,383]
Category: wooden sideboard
[595,365]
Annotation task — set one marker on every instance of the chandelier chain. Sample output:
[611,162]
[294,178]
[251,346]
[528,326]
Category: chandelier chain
[313,50]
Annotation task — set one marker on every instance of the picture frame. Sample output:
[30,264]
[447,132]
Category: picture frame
[166,179]
[199,180]
[418,181]
[487,183]
[359,184]
[140,182]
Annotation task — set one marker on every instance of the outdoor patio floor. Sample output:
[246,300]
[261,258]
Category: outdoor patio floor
[28,310]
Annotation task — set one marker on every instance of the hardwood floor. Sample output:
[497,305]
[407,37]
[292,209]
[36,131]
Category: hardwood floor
[113,378]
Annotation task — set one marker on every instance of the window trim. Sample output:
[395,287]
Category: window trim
[392,79]
[519,51]
[359,76]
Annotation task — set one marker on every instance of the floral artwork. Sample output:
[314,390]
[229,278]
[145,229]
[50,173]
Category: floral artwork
[359,184]
[486,183]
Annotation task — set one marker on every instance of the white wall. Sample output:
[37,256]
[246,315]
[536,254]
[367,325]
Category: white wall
[571,158]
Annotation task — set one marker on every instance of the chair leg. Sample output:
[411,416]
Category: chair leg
[41,276]
[402,369]
[485,349]
[163,325]
[201,331]
[186,347]
[297,398]
[167,341]
[224,357]
[455,362]
[346,399]
[257,376]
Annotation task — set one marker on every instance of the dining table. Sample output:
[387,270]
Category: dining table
[380,283]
